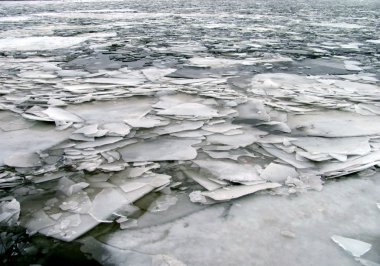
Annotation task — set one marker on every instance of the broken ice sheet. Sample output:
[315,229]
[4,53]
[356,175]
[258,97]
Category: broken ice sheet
[317,125]
[201,178]
[58,114]
[160,149]
[233,192]
[19,147]
[230,170]
[23,160]
[194,110]
[148,121]
[245,138]
[347,146]
[117,111]
[355,247]
[116,129]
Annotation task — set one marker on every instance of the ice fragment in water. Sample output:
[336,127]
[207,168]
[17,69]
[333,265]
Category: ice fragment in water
[355,247]
[163,203]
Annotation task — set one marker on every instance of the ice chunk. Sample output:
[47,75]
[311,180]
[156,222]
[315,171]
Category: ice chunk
[166,260]
[348,146]
[56,102]
[69,187]
[117,129]
[116,111]
[355,247]
[288,158]
[202,179]
[231,154]
[88,131]
[133,172]
[278,172]
[197,197]
[155,74]
[195,110]
[163,203]
[9,212]
[98,142]
[374,41]
[36,75]
[146,122]
[161,149]
[316,124]
[37,221]
[352,65]
[117,81]
[234,141]
[58,114]
[252,111]
[178,126]
[221,128]
[233,192]
[230,170]
[106,202]
[136,189]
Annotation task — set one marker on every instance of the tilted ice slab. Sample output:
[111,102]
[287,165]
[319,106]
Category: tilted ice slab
[233,192]
[355,247]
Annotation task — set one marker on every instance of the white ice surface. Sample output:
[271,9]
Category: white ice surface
[253,228]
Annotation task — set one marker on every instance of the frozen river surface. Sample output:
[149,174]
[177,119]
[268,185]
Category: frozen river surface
[190,132]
